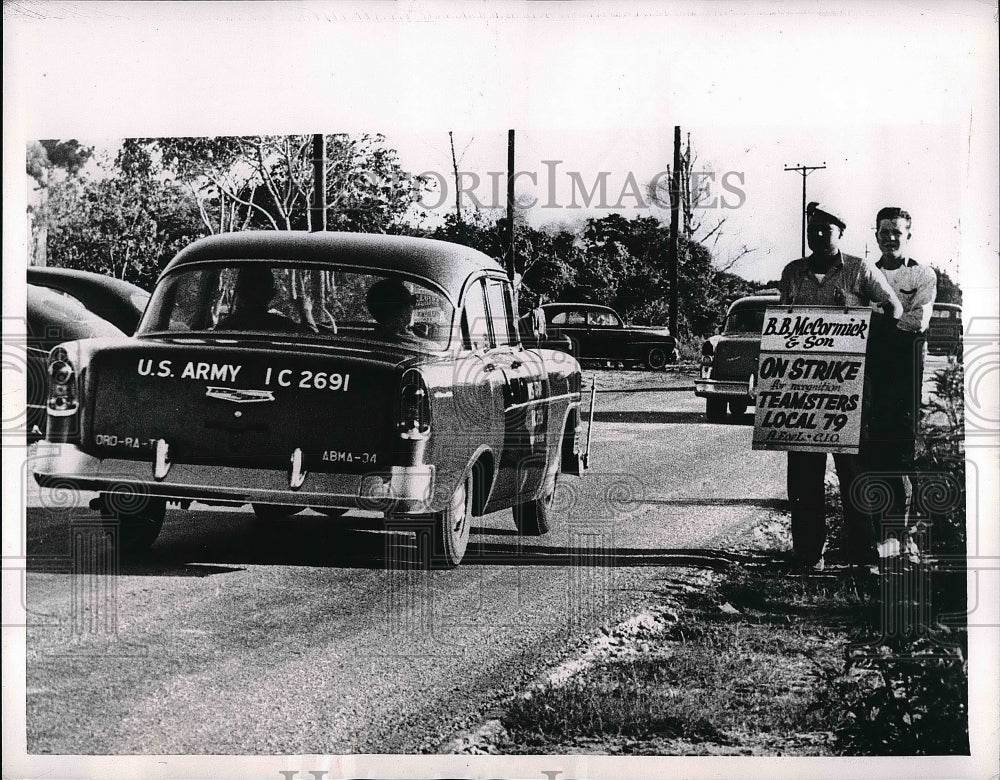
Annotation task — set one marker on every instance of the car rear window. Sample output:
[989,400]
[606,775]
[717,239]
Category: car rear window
[289,299]
[745,320]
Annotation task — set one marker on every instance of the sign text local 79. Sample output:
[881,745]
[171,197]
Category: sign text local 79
[810,378]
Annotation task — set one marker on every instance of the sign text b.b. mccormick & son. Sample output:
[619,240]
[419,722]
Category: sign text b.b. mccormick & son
[810,378]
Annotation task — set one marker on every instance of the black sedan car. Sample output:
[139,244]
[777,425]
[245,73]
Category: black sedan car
[52,319]
[334,371]
[598,333]
[119,302]
[729,359]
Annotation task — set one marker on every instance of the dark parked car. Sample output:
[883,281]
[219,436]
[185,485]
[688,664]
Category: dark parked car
[729,359]
[119,302]
[600,333]
[944,336]
[326,370]
[52,319]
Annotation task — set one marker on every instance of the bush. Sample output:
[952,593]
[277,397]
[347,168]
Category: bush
[901,697]
[939,488]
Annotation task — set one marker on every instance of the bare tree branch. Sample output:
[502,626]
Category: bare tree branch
[743,253]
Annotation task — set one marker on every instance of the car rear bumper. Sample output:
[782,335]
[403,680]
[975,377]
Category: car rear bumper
[401,490]
[705,388]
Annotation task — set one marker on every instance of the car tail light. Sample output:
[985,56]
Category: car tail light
[414,415]
[707,356]
[63,392]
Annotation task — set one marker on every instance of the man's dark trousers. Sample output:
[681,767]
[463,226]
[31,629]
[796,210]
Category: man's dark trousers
[806,471]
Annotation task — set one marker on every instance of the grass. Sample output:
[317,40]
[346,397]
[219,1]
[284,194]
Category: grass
[711,678]
[765,676]
[634,698]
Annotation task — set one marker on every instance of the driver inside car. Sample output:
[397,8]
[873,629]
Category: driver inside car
[392,306]
[253,292]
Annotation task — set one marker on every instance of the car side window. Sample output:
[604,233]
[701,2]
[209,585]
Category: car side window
[475,317]
[571,317]
[501,312]
[605,319]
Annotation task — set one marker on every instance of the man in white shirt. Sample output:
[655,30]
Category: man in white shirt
[897,377]
[915,285]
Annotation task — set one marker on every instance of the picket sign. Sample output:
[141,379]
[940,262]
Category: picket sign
[810,378]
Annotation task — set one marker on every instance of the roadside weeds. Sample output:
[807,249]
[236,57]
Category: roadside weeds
[744,663]
[757,660]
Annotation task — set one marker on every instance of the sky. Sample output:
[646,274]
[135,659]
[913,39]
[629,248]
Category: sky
[917,167]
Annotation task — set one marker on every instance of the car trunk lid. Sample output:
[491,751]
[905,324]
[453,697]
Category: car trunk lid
[736,357]
[229,405]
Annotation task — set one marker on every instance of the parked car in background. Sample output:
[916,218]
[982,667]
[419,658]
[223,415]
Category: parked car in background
[729,359]
[944,335]
[326,370]
[52,319]
[600,333]
[119,302]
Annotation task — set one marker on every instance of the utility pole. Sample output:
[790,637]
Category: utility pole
[458,188]
[675,207]
[318,207]
[804,170]
[511,265]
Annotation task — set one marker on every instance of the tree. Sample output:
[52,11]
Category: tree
[266,182]
[127,223]
[45,159]
[948,291]
[547,260]
[700,191]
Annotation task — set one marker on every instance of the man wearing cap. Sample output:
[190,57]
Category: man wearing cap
[897,373]
[392,305]
[828,277]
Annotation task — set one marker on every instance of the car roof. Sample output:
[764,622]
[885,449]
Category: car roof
[447,264]
[51,313]
[579,305]
[47,276]
[754,302]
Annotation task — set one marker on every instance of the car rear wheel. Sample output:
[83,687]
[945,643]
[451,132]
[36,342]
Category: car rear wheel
[738,408]
[656,358]
[136,521]
[532,517]
[715,409]
[450,532]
